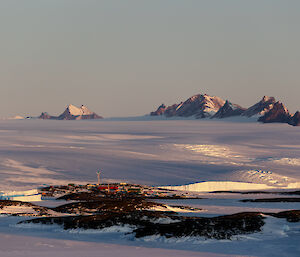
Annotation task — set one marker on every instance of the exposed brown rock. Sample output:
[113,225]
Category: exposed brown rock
[228,110]
[278,113]
[260,108]
[160,111]
[200,106]
[46,116]
[295,120]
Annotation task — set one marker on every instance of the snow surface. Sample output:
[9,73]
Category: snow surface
[278,238]
[37,152]
[211,186]
[17,209]
[153,152]
[17,117]
[35,246]
[74,110]
[28,195]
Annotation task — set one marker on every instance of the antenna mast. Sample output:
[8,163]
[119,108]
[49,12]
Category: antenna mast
[98,175]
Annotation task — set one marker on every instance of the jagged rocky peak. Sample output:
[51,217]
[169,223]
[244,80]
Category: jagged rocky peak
[278,113]
[73,113]
[260,108]
[295,119]
[228,110]
[200,106]
[160,110]
[45,116]
[205,106]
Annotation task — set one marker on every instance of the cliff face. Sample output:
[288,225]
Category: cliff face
[260,108]
[295,120]
[278,113]
[160,111]
[228,110]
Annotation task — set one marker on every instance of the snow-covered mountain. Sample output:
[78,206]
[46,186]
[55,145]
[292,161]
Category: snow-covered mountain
[73,113]
[199,106]
[267,110]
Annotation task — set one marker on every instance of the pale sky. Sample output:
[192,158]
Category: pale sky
[126,57]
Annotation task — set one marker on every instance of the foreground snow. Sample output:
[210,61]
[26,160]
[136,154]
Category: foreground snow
[277,238]
[29,246]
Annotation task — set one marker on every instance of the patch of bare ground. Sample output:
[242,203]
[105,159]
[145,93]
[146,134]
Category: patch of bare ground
[39,210]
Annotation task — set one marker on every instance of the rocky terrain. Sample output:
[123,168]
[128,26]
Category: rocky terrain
[228,110]
[98,208]
[267,110]
[19,208]
[143,222]
[278,113]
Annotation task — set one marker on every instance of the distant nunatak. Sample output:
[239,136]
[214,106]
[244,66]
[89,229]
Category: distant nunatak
[72,113]
[200,106]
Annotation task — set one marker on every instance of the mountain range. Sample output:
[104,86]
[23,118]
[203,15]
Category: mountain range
[72,113]
[199,106]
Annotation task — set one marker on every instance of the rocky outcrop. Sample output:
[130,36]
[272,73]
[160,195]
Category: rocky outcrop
[46,116]
[72,113]
[278,113]
[160,111]
[295,120]
[171,110]
[260,108]
[228,110]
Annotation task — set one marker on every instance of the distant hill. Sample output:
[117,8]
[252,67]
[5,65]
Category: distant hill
[72,113]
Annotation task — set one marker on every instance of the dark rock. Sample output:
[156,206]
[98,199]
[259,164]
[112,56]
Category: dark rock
[160,111]
[200,106]
[46,116]
[295,120]
[171,110]
[222,227]
[278,113]
[107,205]
[290,216]
[260,108]
[228,110]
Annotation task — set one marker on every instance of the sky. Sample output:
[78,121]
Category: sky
[126,57]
